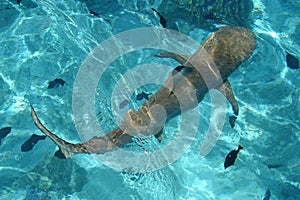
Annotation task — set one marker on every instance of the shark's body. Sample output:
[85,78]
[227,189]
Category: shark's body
[227,48]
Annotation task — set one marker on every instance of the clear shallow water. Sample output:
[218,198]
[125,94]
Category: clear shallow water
[43,40]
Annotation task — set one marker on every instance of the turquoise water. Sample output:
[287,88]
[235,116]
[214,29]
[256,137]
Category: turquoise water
[44,40]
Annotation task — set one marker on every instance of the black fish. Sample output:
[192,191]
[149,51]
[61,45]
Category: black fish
[209,16]
[19,2]
[230,158]
[56,83]
[142,95]
[94,13]
[31,142]
[162,20]
[267,195]
[274,166]
[4,132]
[292,62]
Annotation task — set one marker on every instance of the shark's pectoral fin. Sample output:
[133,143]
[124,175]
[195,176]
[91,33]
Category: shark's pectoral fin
[182,59]
[226,90]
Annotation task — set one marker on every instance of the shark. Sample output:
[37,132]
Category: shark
[226,48]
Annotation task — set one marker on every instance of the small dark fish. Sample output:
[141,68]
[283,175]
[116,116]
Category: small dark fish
[209,16]
[230,158]
[4,132]
[31,142]
[267,195]
[142,96]
[19,2]
[162,20]
[292,62]
[57,82]
[94,13]
[274,166]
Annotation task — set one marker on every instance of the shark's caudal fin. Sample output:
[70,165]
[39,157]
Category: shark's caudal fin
[65,148]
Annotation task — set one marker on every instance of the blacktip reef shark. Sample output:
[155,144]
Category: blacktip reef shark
[228,48]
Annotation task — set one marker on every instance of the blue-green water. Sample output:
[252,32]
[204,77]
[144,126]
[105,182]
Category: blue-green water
[44,40]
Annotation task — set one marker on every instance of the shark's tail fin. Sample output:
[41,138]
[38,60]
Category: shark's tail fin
[66,149]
